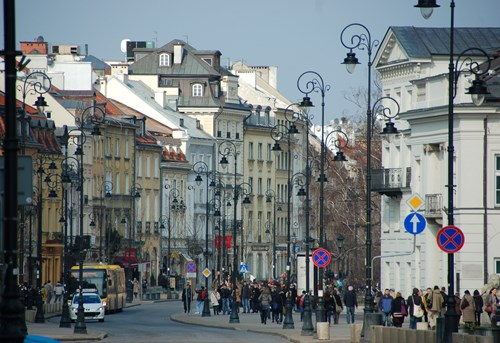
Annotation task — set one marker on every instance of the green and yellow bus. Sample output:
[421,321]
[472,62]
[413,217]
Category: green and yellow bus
[108,279]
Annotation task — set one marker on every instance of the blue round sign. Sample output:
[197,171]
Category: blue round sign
[450,239]
[321,257]
[191,267]
[415,223]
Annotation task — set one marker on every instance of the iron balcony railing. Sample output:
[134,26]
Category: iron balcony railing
[433,205]
[391,181]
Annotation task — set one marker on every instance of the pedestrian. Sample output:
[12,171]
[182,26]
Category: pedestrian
[479,303]
[399,310]
[265,301]
[58,291]
[338,306]
[144,285]
[427,299]
[415,308]
[136,287]
[225,295]
[200,293]
[385,306]
[468,307]
[187,297]
[214,299]
[436,306]
[351,303]
[255,298]
[48,291]
[491,302]
[246,293]
[329,305]
[238,298]
[458,308]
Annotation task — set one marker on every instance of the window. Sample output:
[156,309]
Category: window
[420,92]
[268,183]
[259,186]
[259,151]
[156,167]
[148,166]
[269,152]
[127,149]
[497,266]
[164,60]
[197,90]
[117,147]
[250,151]
[267,118]
[497,180]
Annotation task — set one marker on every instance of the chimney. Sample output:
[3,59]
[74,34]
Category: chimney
[143,127]
[178,51]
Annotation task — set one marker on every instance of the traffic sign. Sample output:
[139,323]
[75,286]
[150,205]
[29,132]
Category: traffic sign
[321,257]
[415,202]
[191,267]
[415,223]
[243,268]
[206,272]
[450,239]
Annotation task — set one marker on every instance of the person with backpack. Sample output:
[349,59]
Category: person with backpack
[385,306]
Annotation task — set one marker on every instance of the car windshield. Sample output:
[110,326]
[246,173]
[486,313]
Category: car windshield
[88,299]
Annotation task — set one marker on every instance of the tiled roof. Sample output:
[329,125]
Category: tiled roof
[423,42]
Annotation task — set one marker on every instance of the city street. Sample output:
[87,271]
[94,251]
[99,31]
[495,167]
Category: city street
[150,322]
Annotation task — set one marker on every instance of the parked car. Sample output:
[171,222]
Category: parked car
[92,305]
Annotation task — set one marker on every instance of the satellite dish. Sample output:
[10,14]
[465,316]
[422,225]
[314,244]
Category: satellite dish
[123,45]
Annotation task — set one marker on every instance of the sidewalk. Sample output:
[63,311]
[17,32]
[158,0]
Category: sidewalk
[250,322]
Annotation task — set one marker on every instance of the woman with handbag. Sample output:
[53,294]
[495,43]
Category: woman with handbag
[415,308]
[338,306]
[399,310]
[478,301]
[491,302]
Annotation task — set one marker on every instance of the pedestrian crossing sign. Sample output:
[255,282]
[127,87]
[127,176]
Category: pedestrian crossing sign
[243,268]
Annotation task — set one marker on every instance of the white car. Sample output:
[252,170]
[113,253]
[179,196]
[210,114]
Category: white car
[92,305]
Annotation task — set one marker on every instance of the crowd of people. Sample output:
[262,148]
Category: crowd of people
[426,306]
[268,298]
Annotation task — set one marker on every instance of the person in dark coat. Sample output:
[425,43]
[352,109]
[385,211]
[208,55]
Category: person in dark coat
[350,302]
[415,308]
[479,302]
[337,302]
[187,297]
[399,310]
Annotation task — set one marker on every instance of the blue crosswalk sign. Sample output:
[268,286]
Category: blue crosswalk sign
[415,223]
[243,268]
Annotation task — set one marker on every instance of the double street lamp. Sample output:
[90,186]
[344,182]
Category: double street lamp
[201,168]
[478,92]
[86,119]
[105,190]
[228,148]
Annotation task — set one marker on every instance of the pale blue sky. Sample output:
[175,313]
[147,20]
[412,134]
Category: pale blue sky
[295,35]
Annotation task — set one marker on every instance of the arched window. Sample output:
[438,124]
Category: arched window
[164,60]
[197,89]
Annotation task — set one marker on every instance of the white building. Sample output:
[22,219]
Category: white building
[413,64]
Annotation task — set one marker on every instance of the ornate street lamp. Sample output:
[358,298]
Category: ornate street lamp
[228,148]
[105,192]
[363,41]
[478,92]
[201,168]
[87,119]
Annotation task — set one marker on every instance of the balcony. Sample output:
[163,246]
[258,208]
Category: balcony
[391,181]
[433,205]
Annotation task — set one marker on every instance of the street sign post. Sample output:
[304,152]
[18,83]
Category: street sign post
[321,258]
[450,239]
[415,223]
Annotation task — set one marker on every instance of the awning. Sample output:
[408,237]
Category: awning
[186,257]
[125,262]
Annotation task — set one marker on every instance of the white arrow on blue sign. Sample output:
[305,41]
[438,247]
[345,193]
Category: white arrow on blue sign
[415,223]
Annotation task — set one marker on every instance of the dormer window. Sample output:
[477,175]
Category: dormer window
[197,90]
[164,60]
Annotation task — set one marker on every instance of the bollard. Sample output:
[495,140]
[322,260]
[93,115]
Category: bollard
[323,330]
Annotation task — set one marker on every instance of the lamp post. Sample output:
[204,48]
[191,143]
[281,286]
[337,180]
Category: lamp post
[278,133]
[221,191]
[271,197]
[228,148]
[105,190]
[311,81]
[478,92]
[86,118]
[340,245]
[43,161]
[200,168]
[363,41]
